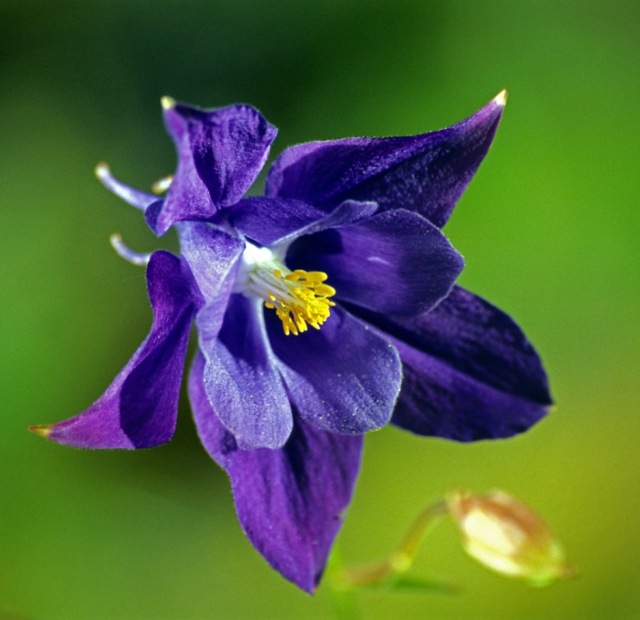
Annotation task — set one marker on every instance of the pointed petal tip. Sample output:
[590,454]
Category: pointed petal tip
[43,430]
[167,102]
[501,98]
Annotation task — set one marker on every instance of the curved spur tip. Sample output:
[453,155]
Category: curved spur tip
[101,170]
[168,102]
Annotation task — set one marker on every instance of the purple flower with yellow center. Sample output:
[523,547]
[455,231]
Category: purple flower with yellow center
[324,309]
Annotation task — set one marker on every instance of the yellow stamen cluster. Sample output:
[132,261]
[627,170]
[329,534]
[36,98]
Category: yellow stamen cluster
[300,298]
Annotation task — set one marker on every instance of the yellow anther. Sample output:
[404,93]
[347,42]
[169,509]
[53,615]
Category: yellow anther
[301,300]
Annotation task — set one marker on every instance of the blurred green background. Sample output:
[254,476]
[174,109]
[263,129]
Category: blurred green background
[549,228]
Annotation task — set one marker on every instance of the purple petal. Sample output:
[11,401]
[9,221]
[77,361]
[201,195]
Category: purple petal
[291,501]
[426,173]
[271,221]
[241,378]
[213,257]
[343,378]
[469,371]
[242,381]
[138,410]
[267,220]
[395,262]
[220,153]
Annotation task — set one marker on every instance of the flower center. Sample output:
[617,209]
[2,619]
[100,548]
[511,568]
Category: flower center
[299,298]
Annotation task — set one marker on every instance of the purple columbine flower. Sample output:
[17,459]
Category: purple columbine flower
[346,241]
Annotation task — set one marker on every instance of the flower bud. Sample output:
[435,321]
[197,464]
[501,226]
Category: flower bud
[508,537]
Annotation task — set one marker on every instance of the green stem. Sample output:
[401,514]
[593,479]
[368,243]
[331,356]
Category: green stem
[399,560]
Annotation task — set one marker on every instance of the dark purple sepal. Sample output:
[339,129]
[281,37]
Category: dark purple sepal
[342,378]
[469,371]
[267,220]
[278,221]
[291,501]
[241,377]
[220,153]
[138,410]
[347,212]
[426,173]
[395,262]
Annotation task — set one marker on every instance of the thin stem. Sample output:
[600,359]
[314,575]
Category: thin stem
[399,560]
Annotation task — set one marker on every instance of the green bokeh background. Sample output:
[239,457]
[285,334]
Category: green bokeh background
[549,228]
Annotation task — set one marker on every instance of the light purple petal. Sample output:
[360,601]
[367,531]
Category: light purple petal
[220,153]
[395,262]
[138,410]
[469,371]
[426,173]
[277,221]
[291,501]
[241,378]
[213,257]
[242,382]
[342,378]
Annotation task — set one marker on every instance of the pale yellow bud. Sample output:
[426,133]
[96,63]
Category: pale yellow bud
[508,537]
